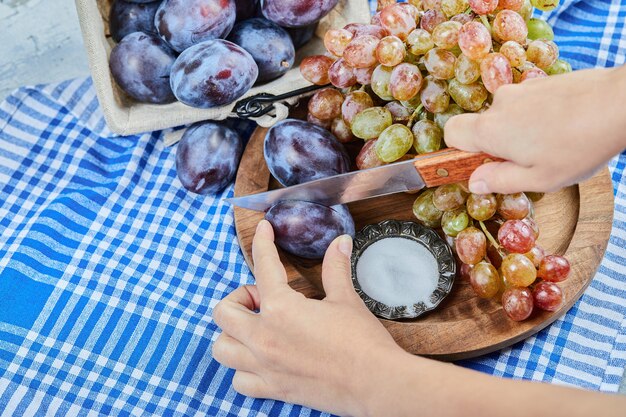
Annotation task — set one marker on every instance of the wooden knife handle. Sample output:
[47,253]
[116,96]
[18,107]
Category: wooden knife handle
[450,165]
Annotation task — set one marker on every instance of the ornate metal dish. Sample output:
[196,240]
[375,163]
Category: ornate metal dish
[425,236]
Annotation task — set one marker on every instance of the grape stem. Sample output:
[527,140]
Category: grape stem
[485,21]
[493,241]
[416,113]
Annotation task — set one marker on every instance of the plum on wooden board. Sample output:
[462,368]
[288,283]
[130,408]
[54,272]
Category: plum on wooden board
[297,151]
[307,229]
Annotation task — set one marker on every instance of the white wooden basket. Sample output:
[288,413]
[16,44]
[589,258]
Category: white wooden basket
[125,116]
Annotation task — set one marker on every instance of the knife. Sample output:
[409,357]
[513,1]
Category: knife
[429,170]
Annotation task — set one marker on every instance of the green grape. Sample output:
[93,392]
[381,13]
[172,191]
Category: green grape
[559,67]
[485,280]
[469,96]
[467,71]
[545,5]
[453,7]
[434,95]
[442,118]
[446,34]
[526,11]
[518,270]
[425,211]
[482,207]
[380,82]
[440,63]
[454,221]
[371,122]
[394,142]
[419,42]
[539,29]
[427,136]
[449,197]
[412,104]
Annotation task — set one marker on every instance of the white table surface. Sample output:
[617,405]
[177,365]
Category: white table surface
[41,43]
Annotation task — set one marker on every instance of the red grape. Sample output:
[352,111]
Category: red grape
[397,20]
[315,69]
[361,51]
[516,236]
[532,73]
[517,303]
[405,81]
[364,75]
[390,51]
[367,158]
[514,5]
[554,268]
[336,40]
[548,296]
[483,6]
[341,130]
[513,206]
[431,19]
[341,75]
[359,29]
[475,40]
[510,26]
[495,71]
[354,103]
[326,104]
[471,246]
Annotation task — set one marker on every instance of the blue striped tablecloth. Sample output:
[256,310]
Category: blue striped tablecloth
[109,269]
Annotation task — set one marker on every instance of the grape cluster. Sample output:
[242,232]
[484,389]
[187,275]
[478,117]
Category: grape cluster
[495,241]
[395,84]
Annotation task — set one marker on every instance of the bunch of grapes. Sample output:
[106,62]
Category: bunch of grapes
[395,84]
[495,241]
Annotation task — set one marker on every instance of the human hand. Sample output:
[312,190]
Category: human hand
[321,354]
[553,131]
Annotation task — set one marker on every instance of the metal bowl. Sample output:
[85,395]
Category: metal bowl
[425,236]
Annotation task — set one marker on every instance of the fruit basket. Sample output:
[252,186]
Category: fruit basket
[125,116]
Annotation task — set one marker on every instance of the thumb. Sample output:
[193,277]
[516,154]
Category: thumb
[337,269]
[502,178]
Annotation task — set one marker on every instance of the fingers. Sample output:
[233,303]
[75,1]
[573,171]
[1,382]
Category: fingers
[461,132]
[503,178]
[233,354]
[336,270]
[477,132]
[251,385]
[268,270]
[235,313]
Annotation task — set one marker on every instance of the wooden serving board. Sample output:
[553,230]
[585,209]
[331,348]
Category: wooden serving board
[575,221]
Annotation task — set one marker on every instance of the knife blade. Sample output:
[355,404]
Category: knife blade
[430,170]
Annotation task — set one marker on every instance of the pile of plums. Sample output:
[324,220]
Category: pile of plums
[206,53]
